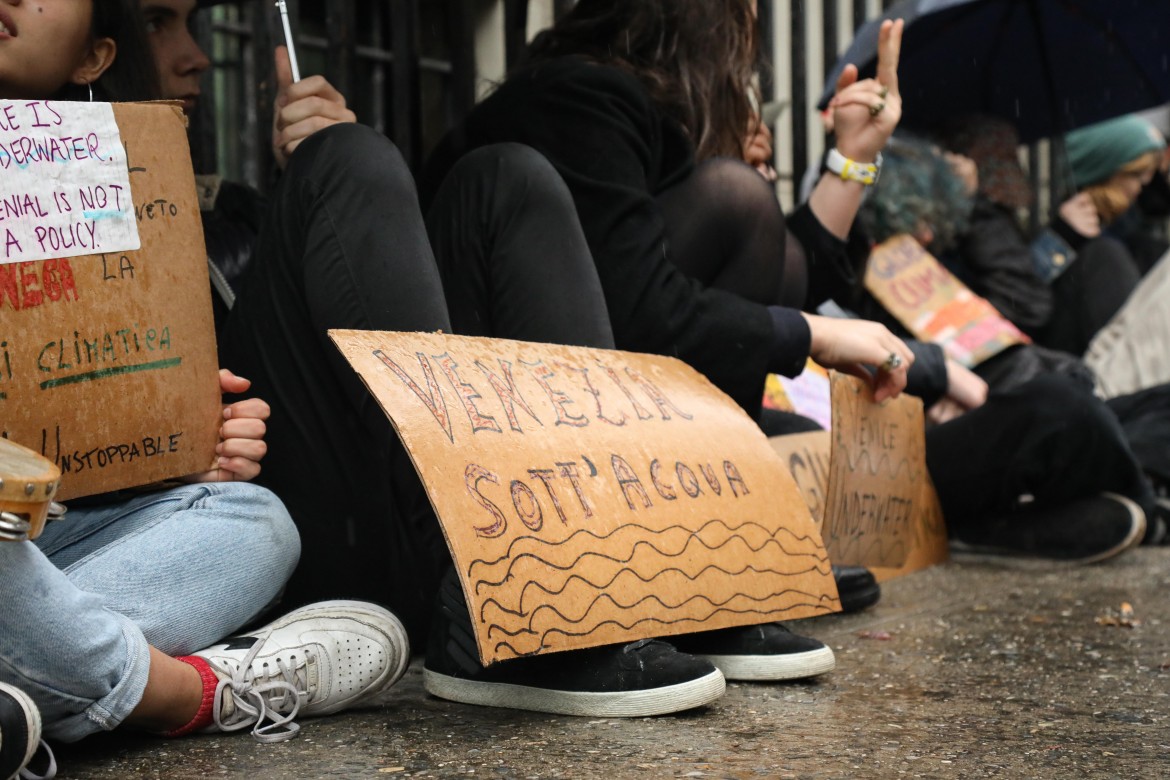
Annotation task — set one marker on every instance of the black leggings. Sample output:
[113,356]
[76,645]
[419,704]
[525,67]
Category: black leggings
[345,246]
[726,230]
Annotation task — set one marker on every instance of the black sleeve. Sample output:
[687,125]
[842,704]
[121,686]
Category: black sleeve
[831,272]
[999,267]
[927,378]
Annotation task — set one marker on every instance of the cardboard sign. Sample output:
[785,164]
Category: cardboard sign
[65,189]
[807,457]
[107,361]
[591,496]
[934,305]
[881,509]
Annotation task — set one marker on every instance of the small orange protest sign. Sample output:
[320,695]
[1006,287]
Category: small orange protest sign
[934,305]
[107,352]
[591,496]
[866,483]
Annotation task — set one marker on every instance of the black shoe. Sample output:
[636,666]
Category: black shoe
[616,681]
[20,733]
[768,651]
[1158,523]
[1084,531]
[856,587]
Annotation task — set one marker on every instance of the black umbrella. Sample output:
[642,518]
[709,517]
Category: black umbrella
[1047,66]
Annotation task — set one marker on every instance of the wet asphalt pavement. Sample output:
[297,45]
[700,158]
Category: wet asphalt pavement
[970,670]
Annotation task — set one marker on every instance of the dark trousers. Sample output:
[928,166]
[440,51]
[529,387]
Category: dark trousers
[345,246]
[1049,439]
[1089,293]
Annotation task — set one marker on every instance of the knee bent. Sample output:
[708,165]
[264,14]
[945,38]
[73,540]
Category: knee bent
[357,153]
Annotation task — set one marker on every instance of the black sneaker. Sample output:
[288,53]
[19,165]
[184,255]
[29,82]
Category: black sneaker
[764,652]
[20,734]
[857,588]
[1158,523]
[1083,531]
[616,681]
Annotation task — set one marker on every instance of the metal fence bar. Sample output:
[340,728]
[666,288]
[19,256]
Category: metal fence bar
[404,86]
[340,26]
[798,62]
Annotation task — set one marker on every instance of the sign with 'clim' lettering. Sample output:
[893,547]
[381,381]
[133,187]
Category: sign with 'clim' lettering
[107,345]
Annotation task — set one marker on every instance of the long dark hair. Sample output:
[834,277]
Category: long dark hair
[696,57]
[132,75]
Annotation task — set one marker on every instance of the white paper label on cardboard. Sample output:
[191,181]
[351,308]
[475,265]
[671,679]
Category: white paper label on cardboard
[64,182]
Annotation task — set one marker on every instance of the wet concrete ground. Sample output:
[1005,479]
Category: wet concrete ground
[966,670]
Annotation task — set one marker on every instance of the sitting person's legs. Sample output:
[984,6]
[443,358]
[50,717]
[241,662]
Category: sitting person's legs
[98,619]
[1024,472]
[513,259]
[727,230]
[344,247]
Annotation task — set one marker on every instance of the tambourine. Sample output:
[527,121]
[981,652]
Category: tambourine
[28,483]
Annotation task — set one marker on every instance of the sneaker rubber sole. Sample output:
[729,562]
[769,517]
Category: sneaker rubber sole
[618,704]
[32,724]
[774,668]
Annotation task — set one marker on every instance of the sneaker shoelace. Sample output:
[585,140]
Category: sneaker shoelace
[275,696]
[50,772]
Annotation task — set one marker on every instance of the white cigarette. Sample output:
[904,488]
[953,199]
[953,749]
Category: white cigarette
[288,39]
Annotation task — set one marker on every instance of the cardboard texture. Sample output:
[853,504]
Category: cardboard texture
[934,305]
[592,496]
[807,457]
[108,364]
[868,482]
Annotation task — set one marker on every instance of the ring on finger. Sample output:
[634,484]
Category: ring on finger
[875,110]
[884,93]
[892,363]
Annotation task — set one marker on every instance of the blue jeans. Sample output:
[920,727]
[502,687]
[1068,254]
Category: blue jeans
[178,569]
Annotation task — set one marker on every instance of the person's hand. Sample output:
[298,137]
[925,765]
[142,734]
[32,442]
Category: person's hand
[241,437]
[944,410]
[302,108]
[852,345]
[865,113]
[965,169]
[965,387]
[1081,215]
[757,148]
[966,390]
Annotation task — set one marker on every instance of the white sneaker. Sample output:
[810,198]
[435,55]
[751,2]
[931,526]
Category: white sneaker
[316,660]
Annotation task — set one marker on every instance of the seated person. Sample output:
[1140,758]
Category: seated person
[642,108]
[115,615]
[345,246]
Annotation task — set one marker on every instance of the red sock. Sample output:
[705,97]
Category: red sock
[203,718]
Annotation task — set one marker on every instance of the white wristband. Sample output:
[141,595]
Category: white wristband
[851,170]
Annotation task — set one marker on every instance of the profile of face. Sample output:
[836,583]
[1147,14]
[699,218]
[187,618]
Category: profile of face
[179,59]
[47,44]
[1129,183]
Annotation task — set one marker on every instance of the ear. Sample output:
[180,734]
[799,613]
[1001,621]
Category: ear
[101,56]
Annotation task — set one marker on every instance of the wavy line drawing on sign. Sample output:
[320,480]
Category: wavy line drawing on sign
[592,497]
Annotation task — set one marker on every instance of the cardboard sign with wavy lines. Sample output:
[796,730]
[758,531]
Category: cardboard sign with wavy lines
[592,496]
[880,508]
